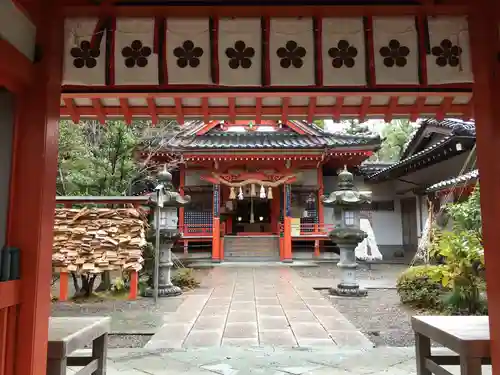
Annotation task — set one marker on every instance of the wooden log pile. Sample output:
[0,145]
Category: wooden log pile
[93,240]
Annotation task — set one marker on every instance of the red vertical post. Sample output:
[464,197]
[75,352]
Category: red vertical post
[33,187]
[485,43]
[287,227]
[216,224]
[134,285]
[182,182]
[319,204]
[63,286]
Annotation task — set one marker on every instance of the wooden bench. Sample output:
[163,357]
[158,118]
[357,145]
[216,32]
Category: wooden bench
[69,334]
[468,336]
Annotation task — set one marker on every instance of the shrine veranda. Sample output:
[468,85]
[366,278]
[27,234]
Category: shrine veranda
[82,59]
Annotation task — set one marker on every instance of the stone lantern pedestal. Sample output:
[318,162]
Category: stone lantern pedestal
[347,242]
[347,202]
[167,233]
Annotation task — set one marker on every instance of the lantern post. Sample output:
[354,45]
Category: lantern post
[347,202]
[167,233]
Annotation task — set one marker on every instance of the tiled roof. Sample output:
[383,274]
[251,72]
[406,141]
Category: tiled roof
[370,167]
[270,140]
[442,150]
[456,127]
[451,182]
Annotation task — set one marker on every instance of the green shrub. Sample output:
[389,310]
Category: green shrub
[418,286]
[184,278]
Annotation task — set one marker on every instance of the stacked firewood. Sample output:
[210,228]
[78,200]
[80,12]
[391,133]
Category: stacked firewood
[93,240]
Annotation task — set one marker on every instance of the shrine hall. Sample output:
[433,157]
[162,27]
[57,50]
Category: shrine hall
[228,62]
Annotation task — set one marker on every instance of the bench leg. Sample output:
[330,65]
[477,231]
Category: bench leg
[423,351]
[56,366]
[470,366]
[100,352]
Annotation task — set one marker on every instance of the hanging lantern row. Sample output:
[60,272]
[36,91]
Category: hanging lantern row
[253,192]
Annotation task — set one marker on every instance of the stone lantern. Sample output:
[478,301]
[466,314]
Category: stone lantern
[166,219]
[347,202]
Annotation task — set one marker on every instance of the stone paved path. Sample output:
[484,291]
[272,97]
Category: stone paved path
[266,306]
[267,361]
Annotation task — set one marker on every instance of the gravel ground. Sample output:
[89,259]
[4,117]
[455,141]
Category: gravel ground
[380,316]
[377,272]
[132,322]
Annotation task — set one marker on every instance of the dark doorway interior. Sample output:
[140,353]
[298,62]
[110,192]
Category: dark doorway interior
[261,215]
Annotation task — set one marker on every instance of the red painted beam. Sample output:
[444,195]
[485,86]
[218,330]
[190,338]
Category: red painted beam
[276,111]
[81,8]
[152,110]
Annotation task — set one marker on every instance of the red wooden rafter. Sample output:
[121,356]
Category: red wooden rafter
[126,110]
[70,104]
[152,110]
[283,112]
[99,111]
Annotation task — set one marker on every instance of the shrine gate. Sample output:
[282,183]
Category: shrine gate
[107,59]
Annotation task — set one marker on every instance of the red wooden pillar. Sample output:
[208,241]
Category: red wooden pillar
[321,215]
[31,214]
[182,182]
[134,285]
[63,286]
[287,224]
[483,28]
[216,225]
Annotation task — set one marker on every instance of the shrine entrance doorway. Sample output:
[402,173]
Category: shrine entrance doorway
[253,217]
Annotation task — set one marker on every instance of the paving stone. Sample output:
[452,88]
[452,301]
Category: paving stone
[244,298]
[267,301]
[274,337]
[203,338]
[294,306]
[210,322]
[299,370]
[241,342]
[312,343]
[270,311]
[214,310]
[351,339]
[273,322]
[172,332]
[335,323]
[319,301]
[309,331]
[300,316]
[325,311]
[240,330]
[238,316]
[242,306]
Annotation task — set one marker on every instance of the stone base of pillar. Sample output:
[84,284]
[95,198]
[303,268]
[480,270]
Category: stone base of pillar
[348,291]
[287,261]
[164,291]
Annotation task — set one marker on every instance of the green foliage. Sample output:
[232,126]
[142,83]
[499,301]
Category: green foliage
[418,286]
[118,286]
[395,136]
[356,128]
[184,278]
[467,215]
[97,159]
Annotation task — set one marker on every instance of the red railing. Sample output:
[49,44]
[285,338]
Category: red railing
[309,229]
[195,230]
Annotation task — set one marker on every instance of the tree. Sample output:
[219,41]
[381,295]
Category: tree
[395,136]
[354,127]
[100,160]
